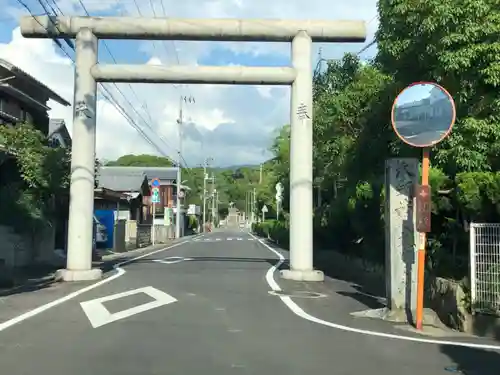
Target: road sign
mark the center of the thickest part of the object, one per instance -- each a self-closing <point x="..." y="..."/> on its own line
<point x="264" y="209"/>
<point x="423" y="208"/>
<point x="155" y="195"/>
<point x="155" y="182"/>
<point x="279" y="188"/>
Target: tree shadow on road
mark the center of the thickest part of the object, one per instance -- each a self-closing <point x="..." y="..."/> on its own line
<point x="472" y="361"/>
<point x="370" y="301"/>
<point x="215" y="259"/>
<point x="29" y="279"/>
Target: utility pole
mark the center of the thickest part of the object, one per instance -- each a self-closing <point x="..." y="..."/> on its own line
<point x="260" y="175"/>
<point x="204" y="193"/>
<point x="178" y="204"/>
<point x="205" y="178"/>
<point x="217" y="205"/>
<point x="247" y="211"/>
<point x="214" y="191"/>
<point x="254" y="205"/>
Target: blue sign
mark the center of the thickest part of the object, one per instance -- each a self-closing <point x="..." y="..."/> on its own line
<point x="107" y="219"/>
<point x="155" y="182"/>
<point x="155" y="195"/>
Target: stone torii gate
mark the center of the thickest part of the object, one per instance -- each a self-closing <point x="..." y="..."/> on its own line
<point x="87" y="31"/>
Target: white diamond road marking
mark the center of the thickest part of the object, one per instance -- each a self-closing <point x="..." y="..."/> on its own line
<point x="98" y="315"/>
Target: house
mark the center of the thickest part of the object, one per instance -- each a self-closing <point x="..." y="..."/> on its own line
<point x="168" y="183"/>
<point x="134" y="187"/>
<point x="164" y="211"/>
<point x="436" y="108"/>
<point x="58" y="133"/>
<point x="23" y="99"/>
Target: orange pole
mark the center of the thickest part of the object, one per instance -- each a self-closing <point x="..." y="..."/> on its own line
<point x="421" y="250"/>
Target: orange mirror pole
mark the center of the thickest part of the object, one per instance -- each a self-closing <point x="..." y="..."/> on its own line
<point x="421" y="250"/>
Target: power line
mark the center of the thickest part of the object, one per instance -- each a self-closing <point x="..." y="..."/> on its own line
<point x="131" y="88"/>
<point x="113" y="100"/>
<point x="366" y="47"/>
<point x="173" y="41"/>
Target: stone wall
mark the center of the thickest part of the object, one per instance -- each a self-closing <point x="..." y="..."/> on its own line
<point x="143" y="235"/>
<point x="19" y="250"/>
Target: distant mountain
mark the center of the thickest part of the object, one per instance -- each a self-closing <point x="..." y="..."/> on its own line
<point x="235" y="167"/>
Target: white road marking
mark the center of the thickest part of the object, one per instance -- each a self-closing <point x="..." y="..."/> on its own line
<point x="229" y="239"/>
<point x="297" y="310"/>
<point x="217" y="239"/>
<point x="171" y="260"/>
<point x="98" y="315"/>
<point x="47" y="306"/>
<point x="240" y="239"/>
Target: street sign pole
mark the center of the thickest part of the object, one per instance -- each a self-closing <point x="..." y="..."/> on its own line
<point x="428" y="123"/>
<point x="153" y="226"/>
<point x="155" y="199"/>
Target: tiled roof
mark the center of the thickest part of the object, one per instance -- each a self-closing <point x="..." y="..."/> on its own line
<point x="121" y="179"/>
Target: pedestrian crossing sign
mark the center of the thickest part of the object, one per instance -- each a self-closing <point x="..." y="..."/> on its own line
<point x="155" y="196"/>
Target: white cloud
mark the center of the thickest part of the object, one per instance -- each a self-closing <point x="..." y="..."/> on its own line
<point x="231" y="124"/>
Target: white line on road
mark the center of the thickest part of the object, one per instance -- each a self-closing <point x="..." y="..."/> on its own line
<point x="47" y="306"/>
<point x="297" y="310"/>
<point x="99" y="315"/>
<point x="171" y="260"/>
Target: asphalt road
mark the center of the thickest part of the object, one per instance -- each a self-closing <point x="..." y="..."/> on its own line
<point x="420" y="133"/>
<point x="214" y="316"/>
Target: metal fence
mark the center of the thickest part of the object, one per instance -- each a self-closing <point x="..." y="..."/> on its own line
<point x="485" y="268"/>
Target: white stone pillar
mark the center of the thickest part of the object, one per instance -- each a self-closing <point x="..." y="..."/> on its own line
<point x="301" y="165"/>
<point x="81" y="207"/>
<point x="401" y="178"/>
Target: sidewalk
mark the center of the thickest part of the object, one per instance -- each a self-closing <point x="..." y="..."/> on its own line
<point x="41" y="289"/>
<point x="41" y="277"/>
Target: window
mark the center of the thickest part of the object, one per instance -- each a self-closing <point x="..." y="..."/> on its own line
<point x="54" y="142"/>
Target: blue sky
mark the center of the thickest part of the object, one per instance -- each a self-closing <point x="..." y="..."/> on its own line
<point x="222" y="114"/>
<point x="414" y="93"/>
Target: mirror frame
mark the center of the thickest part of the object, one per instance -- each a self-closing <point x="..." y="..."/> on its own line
<point x="454" y="114"/>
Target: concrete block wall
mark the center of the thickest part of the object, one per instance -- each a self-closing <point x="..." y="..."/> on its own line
<point x="13" y="248"/>
<point x="143" y="238"/>
<point x="19" y="250"/>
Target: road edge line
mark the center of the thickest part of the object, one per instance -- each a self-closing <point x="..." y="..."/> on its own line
<point x="297" y="310"/>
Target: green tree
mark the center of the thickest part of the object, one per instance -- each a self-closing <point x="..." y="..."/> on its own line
<point x="143" y="160"/>
<point x="31" y="198"/>
<point x="454" y="43"/>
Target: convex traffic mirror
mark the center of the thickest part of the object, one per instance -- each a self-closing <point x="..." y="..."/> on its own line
<point x="423" y="114"/>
